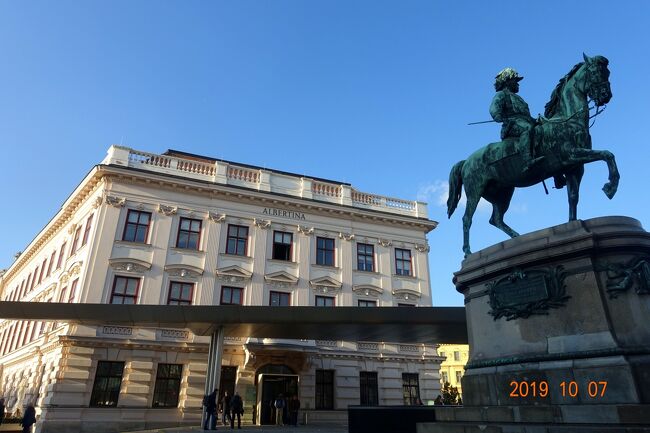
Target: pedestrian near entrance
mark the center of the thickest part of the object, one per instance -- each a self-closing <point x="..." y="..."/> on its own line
<point x="237" y="406"/>
<point x="279" y="409"/>
<point x="29" y="419"/>
<point x="225" y="407"/>
<point x="2" y="410"/>
<point x="294" y="407"/>
<point x="210" y="404"/>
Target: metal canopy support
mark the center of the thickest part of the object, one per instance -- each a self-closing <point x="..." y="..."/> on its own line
<point x="213" y="373"/>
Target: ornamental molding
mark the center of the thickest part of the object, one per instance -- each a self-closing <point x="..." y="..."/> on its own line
<point x="384" y="242"/>
<point x="346" y="236"/>
<point x="407" y="294"/>
<point x="97" y="202"/>
<point x="216" y="217"/>
<point x="117" y="330"/>
<point x="134" y="266"/>
<point x="233" y="274"/>
<point x="262" y="224"/>
<point x="325" y="285"/>
<point x="167" y="210"/>
<point x="73" y="269"/>
<point x="281" y="278"/>
<point x="307" y="231"/>
<point x="115" y="201"/>
<point x="184" y="271"/>
<point x="367" y="290"/>
<point x="423" y="248"/>
<point x="72" y="228"/>
<point x="176" y="334"/>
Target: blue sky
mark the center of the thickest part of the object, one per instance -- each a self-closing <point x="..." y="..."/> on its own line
<point x="374" y="93"/>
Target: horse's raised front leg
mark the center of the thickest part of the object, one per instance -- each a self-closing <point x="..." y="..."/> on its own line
<point x="573" y="179"/>
<point x="500" y="204"/>
<point x="585" y="156"/>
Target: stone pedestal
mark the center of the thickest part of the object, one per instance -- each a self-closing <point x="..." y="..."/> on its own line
<point x="559" y="332"/>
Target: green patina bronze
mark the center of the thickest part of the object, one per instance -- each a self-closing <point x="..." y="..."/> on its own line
<point x="532" y="150"/>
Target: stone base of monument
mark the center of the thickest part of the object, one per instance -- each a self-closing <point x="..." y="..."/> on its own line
<point x="559" y="332"/>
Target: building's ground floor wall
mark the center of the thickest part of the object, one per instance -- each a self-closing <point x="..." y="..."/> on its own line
<point x="60" y="377"/>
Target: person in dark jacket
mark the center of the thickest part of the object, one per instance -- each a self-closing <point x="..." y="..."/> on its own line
<point x="237" y="407"/>
<point x="210" y="404"/>
<point x="29" y="419"/>
<point x="2" y="410"/>
<point x="294" y="407"/>
<point x="225" y="406"/>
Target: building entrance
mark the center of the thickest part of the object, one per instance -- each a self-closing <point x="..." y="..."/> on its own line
<point x="269" y="387"/>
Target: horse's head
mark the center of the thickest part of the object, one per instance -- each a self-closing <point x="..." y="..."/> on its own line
<point x="597" y="79"/>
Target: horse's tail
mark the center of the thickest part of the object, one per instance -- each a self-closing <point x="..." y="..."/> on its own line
<point x="455" y="185"/>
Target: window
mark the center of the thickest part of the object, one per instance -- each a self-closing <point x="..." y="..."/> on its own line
<point x="325" y="251"/>
<point x="324" y="389"/>
<point x="61" y="254"/>
<point x="443" y="354"/>
<point x="89" y="223"/>
<point x="108" y="380"/>
<point x="75" y="240"/>
<point x="456" y="355"/>
<point x="137" y="226"/>
<point x="49" y="268"/>
<point x="402" y="262"/>
<point x="180" y="293"/>
<point x="279" y="299"/>
<point x="364" y="303"/>
<point x="459" y="375"/>
<point x="42" y="274"/>
<point x="231" y="295"/>
<point x="64" y="292"/>
<point x="368" y="388"/>
<point x="282" y="246"/>
<point x="237" y="240"/>
<point x="73" y="290"/>
<point x="125" y="290"/>
<point x="168" y="385"/>
<point x="29" y="286"/>
<point x="324" y="301"/>
<point x="365" y="257"/>
<point x="410" y="388"/>
<point x="445" y="377"/>
<point x="189" y="234"/>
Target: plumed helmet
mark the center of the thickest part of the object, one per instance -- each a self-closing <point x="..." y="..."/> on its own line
<point x="506" y="75"/>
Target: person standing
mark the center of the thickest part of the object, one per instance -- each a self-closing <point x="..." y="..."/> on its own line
<point x="210" y="404"/>
<point x="294" y="407"/>
<point x="29" y="419"/>
<point x="2" y="410"/>
<point x="279" y="409"/>
<point x="225" y="406"/>
<point x="237" y="406"/>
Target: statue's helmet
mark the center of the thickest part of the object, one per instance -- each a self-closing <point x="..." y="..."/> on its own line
<point x="504" y="76"/>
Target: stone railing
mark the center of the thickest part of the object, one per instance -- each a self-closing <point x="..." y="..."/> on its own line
<point x="222" y="172"/>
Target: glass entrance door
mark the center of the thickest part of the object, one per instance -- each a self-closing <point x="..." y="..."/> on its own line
<point x="269" y="387"/>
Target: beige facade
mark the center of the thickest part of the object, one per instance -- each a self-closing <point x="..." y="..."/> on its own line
<point x="453" y="367"/>
<point x="158" y="229"/>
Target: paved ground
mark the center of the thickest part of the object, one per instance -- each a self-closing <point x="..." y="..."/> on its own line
<point x="259" y="429"/>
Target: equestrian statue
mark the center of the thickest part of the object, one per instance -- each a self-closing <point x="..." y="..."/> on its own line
<point x="555" y="145"/>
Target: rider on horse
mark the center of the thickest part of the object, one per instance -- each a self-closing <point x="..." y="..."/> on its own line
<point x="510" y="109"/>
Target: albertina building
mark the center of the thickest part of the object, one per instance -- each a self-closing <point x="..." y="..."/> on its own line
<point x="183" y="229"/>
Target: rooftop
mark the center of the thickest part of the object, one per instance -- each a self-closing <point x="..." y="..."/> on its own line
<point x="218" y="171"/>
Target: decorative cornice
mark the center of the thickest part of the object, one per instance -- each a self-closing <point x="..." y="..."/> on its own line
<point x="384" y="242"/>
<point x="233" y="274"/>
<point x="184" y="271"/>
<point x="325" y="285"/>
<point x="129" y="265"/>
<point x="346" y="236"/>
<point x="262" y="224"/>
<point x="216" y="217"/>
<point x="115" y="201"/>
<point x="367" y="290"/>
<point x="406" y="294"/>
<point x="281" y="278"/>
<point x="307" y="231"/>
<point x="167" y="210"/>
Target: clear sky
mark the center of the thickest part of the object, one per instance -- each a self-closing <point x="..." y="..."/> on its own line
<point x="375" y="93"/>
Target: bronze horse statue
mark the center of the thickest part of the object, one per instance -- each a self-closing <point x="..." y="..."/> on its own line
<point x="494" y="171"/>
